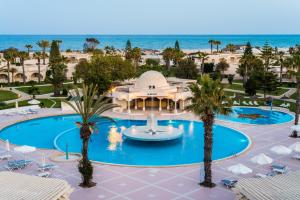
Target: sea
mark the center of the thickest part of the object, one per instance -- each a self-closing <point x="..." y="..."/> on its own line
<point x="75" y="42"/>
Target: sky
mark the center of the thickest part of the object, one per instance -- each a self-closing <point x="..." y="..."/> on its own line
<point x="149" y="17"/>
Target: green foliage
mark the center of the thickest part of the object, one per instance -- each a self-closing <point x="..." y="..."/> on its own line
<point x="104" y="70"/>
<point x="56" y="75"/>
<point x="251" y="86"/>
<point x="90" y="44"/>
<point x="208" y="68"/>
<point x="33" y="91"/>
<point x="6" y="95"/>
<point x="128" y="55"/>
<point x="186" y="69"/>
<point x="230" y="78"/>
<point x="222" y="65"/>
<point x="152" y="61"/>
<point x="177" y="46"/>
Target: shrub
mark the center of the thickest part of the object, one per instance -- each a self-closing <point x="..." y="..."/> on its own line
<point x="230" y="78"/>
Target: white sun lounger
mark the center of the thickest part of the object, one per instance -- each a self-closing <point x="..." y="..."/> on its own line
<point x="245" y="103"/>
<point x="44" y="174"/>
<point x="5" y="157"/>
<point x="236" y="103"/>
<point x="255" y="103"/>
<point x="297" y="157"/>
<point x="250" y="103"/>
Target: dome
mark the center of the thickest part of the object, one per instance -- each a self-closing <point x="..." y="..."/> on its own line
<point x="151" y="78"/>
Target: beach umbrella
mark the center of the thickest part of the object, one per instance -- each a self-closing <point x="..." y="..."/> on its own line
<point x="25" y="149"/>
<point x="281" y="150"/>
<point x="239" y="169"/>
<point x="295" y="147"/>
<point x="7" y="146"/>
<point x="262" y="159"/>
<point x="43" y="160"/>
<point x="295" y="128"/>
<point x="34" y="102"/>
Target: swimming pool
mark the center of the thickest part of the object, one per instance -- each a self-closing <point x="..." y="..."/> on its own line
<point x="265" y="117"/>
<point x="43" y="132"/>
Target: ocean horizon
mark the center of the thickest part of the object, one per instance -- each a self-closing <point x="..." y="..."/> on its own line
<point x="75" y="42"/>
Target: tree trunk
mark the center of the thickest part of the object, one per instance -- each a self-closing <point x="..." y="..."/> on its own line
<point x="44" y="55"/>
<point x="280" y="75"/>
<point x="23" y="71"/>
<point x="295" y="134"/>
<point x="39" y="70"/>
<point x="211" y="48"/>
<point x="208" y="121"/>
<point x="8" y="71"/>
<point x="85" y="167"/>
<point x="168" y="65"/>
<point x="245" y="75"/>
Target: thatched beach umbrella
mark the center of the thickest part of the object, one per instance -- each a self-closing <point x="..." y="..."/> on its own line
<point x="239" y="169"/>
<point x="262" y="159"/>
<point x="281" y="150"/>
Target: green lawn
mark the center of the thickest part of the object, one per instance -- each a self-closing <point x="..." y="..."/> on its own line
<point x="46" y="102"/>
<point x="7" y="95"/>
<point x="277" y="92"/>
<point x="43" y="89"/>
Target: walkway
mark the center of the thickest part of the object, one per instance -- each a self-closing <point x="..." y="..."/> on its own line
<point x="140" y="183"/>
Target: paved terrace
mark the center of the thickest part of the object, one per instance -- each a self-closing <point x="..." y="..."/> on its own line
<point x="117" y="182"/>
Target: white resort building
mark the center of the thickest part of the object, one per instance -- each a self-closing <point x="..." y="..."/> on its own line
<point x="152" y="91"/>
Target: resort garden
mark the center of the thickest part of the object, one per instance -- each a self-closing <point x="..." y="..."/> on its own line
<point x="112" y="96"/>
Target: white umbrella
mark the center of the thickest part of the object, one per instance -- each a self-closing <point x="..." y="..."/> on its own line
<point x="239" y="169"/>
<point x="34" y="102"/>
<point x="16" y="104"/>
<point x="43" y="160"/>
<point x="7" y="147"/>
<point x="295" y="128"/>
<point x="295" y="147"/>
<point x="262" y="159"/>
<point x="25" y="149"/>
<point x="281" y="150"/>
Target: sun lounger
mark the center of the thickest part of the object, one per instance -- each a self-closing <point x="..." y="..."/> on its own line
<point x="5" y="157"/>
<point x="255" y="103"/>
<point x="44" y="174"/>
<point x="297" y="157"/>
<point x="46" y="167"/>
<point x="270" y="174"/>
<point x="236" y="103"/>
<point x="288" y="105"/>
<point x="250" y="103"/>
<point x="281" y="169"/>
<point x="17" y="164"/>
<point x="245" y="103"/>
<point x="229" y="183"/>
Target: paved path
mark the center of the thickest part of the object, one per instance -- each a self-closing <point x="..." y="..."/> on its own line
<point x="169" y="183"/>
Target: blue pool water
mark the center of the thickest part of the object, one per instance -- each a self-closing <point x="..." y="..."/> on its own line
<point x="266" y="116"/>
<point x="187" y="150"/>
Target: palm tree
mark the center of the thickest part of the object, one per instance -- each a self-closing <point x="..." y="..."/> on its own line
<point x="28" y="47"/>
<point x="23" y="55"/>
<point x="43" y="44"/>
<point x="230" y="47"/>
<point x="90" y="107"/>
<point x="207" y="101"/>
<point x="168" y="55"/>
<point x="203" y="56"/>
<point x="38" y="56"/>
<point x="13" y="71"/>
<point x="217" y="43"/>
<point x="281" y="61"/>
<point x="211" y="42"/>
<point x="136" y="56"/>
<point x="9" y="55"/>
<point x="293" y="64"/>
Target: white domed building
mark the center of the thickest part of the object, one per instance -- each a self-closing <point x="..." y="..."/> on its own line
<point x="152" y="91"/>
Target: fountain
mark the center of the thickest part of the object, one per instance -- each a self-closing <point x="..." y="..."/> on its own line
<point x="152" y="131"/>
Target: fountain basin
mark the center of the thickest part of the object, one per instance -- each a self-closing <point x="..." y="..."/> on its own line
<point x="160" y="133"/>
